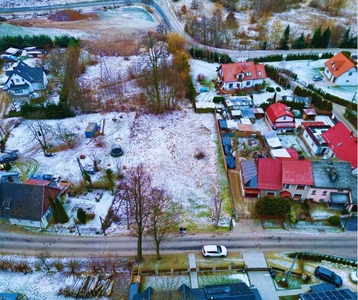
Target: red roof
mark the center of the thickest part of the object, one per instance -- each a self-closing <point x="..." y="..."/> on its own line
<point x="343" y="143"/>
<point x="230" y="71"/>
<point x="339" y="64"/>
<point x="297" y="172"/>
<point x="269" y="174"/>
<point x="312" y="123"/>
<point x="37" y="182"/>
<point x="277" y="110"/>
<point x="310" y="111"/>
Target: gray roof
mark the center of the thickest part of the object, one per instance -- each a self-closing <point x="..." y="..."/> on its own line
<point x="26" y="202"/>
<point x="31" y="74"/>
<point x="249" y="172"/>
<point x="332" y="174"/>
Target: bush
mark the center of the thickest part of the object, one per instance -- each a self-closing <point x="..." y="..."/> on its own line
<point x="314" y="4"/>
<point x="273" y="206"/>
<point x="270" y="89"/>
<point x="278" y="89"/>
<point x="335" y="220"/>
<point x="218" y="99"/>
<point x="81" y="215"/>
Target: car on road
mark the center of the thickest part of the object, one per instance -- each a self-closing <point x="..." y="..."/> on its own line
<point x="214" y="251"/>
<point x="328" y="276"/>
<point x="317" y="78"/>
<point x="354" y="276"/>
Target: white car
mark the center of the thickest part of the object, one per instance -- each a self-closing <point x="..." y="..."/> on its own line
<point x="214" y="251"/>
<point x="353" y="276"/>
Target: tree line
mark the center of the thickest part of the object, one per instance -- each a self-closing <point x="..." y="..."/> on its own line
<point x="40" y="41"/>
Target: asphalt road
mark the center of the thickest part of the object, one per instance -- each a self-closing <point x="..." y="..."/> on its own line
<point x="342" y="244"/>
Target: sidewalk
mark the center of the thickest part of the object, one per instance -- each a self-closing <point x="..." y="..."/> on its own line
<point x="260" y="279"/>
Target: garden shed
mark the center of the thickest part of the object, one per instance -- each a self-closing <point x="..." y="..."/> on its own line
<point x="91" y="129"/>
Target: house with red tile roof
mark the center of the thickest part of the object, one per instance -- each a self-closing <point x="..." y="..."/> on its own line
<point x="240" y="75"/>
<point x="279" y="117"/>
<point x="286" y="178"/>
<point x="341" y="70"/>
<point x="342" y="143"/>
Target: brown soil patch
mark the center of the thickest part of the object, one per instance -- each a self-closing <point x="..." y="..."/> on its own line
<point x="113" y="37"/>
<point x="70" y="15"/>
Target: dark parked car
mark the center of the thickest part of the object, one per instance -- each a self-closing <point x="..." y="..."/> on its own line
<point x="7" y="157"/>
<point x="316" y="78"/>
<point x="328" y="276"/>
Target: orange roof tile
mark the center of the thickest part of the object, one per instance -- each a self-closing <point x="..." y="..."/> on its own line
<point x="339" y="64"/>
<point x="250" y="70"/>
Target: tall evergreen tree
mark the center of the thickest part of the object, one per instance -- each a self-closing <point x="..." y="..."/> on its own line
<point x="349" y="41"/>
<point x="54" y="209"/>
<point x="316" y="40"/>
<point x="300" y="42"/>
<point x="326" y="38"/>
<point x="61" y="213"/>
<point x="285" y="39"/>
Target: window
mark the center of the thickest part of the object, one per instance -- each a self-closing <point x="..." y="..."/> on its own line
<point x="350" y="73"/>
<point x="324" y="193"/>
<point x="321" y="200"/>
<point x="310" y="199"/>
<point x="306" y="135"/>
<point x="297" y="196"/>
<point x="284" y="117"/>
<point x="240" y="76"/>
<point x="260" y="73"/>
<point x="248" y="74"/>
<point x="17" y="80"/>
<point x="286" y="186"/>
<point x="238" y="85"/>
<point x="312" y="144"/>
<point x="314" y="192"/>
<point x="230" y="85"/>
<point x="270" y="194"/>
<point x="248" y="82"/>
<point x="300" y="187"/>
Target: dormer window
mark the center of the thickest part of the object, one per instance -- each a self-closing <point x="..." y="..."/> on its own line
<point x="240" y="76"/>
<point x="260" y="74"/>
<point x="248" y="74"/>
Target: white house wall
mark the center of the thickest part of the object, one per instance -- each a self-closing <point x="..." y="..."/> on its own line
<point x="344" y="79"/>
<point x="284" y="119"/>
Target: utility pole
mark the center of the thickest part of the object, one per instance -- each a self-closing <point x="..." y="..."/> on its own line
<point x="309" y="59"/>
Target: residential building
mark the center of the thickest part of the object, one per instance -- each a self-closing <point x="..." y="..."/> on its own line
<point x="23" y="80"/>
<point x="312" y="136"/>
<point x="234" y="291"/>
<point x="279" y="117"/>
<point x="240" y="75"/>
<point x="327" y="291"/>
<point x="341" y="70"/>
<point x="333" y="183"/>
<point x="26" y="205"/>
<point x="342" y="144"/>
<point x="290" y="178"/>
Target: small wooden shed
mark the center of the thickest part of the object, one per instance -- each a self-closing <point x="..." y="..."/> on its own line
<point x="91" y="129"/>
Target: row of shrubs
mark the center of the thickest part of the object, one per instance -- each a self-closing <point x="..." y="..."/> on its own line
<point x="299" y="56"/>
<point x="72" y="266"/>
<point x="318" y="257"/>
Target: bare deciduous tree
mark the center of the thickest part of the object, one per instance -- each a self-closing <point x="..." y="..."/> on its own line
<point x="137" y="191"/>
<point x="40" y="132"/>
<point x="66" y="136"/>
<point x="163" y="218"/>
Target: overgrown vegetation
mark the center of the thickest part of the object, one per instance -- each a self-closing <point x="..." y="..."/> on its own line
<point x="278" y="206"/>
